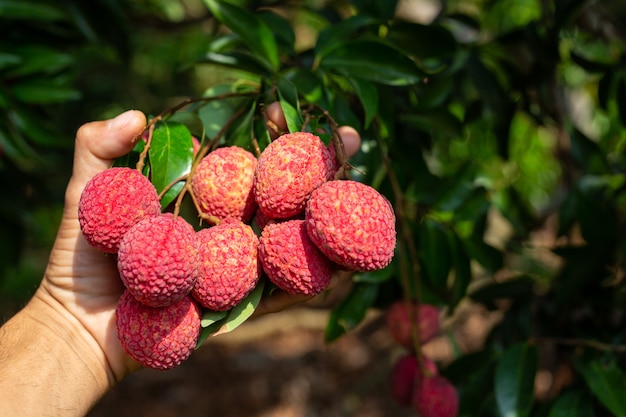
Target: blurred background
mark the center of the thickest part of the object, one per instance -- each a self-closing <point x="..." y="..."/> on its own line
<point x="502" y="152"/>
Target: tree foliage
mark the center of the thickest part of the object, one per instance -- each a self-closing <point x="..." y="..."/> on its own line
<point x="496" y="129"/>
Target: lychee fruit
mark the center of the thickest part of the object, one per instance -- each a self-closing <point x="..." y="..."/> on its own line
<point x="288" y="169"/>
<point x="158" y="337"/>
<point x="112" y="202"/>
<point x="405" y="318"/>
<point x="435" y="396"/>
<point x="157" y="260"/>
<point x="352" y="224"/>
<point x="223" y="184"/>
<point x="406" y="373"/>
<point x="228" y="265"/>
<point x="291" y="260"/>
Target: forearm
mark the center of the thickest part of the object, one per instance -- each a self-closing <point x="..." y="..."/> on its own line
<point x="48" y="365"/>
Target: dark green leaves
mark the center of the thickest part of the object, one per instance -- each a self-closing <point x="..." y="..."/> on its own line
<point x="351" y="311"/>
<point x="371" y="60"/>
<point x="606" y="380"/>
<point x="515" y="379"/>
<point x="171" y="153"/>
<point x="254" y="32"/>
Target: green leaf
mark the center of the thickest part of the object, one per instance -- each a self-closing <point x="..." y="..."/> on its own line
<point x="462" y="269"/>
<point x="239" y="60"/>
<point x="423" y="41"/>
<point x="572" y="404"/>
<point x="9" y="60"/>
<point x="371" y="60"/>
<point x="435" y="252"/>
<point x="439" y="121"/>
<point x="308" y="85"/>
<point x="515" y="380"/>
<point x="288" y="96"/>
<point x="30" y="124"/>
<point x="330" y="36"/>
<point x="253" y="31"/>
<point x="606" y="381"/>
<point x="171" y="155"/>
<point x="282" y="29"/>
<point x="383" y="9"/>
<point x="30" y="10"/>
<point x="368" y="95"/>
<point x="39" y="59"/>
<point x="375" y="277"/>
<point x="43" y="91"/>
<point x="351" y="310"/>
<point x="242" y="311"/>
<point x="211" y="322"/>
<point x="513" y="289"/>
<point x="215" y="113"/>
<point x="242" y="132"/>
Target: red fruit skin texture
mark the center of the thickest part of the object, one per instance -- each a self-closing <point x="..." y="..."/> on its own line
<point x="406" y="373"/>
<point x="403" y="318"/>
<point x="111" y="203"/>
<point x="352" y="224"/>
<point x="288" y="169"/>
<point x="157" y="260"/>
<point x="229" y="267"/>
<point x="436" y="397"/>
<point x="291" y="260"/>
<point x="158" y="337"/>
<point x="223" y="183"/>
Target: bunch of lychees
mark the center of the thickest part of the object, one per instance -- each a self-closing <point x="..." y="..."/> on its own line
<point x="414" y="379"/>
<point x="309" y="224"/>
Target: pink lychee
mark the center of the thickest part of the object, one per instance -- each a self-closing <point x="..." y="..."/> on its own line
<point x="288" y="169"/>
<point x="158" y="337"/>
<point x="112" y="202"/>
<point x="229" y="267"/>
<point x="406" y="373"/>
<point x="291" y="260"/>
<point x="435" y="396"/>
<point x="403" y="319"/>
<point x="223" y="183"/>
<point x="157" y="260"/>
<point x="353" y="224"/>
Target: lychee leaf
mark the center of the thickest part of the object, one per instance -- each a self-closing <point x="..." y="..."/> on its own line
<point x="253" y="31"/>
<point x="606" y="381"/>
<point x="171" y="155"/>
<point x="372" y="60"/>
<point x="242" y="132"/>
<point x="242" y="311"/>
<point x="350" y="311"/>
<point x="288" y="95"/>
<point x="514" y="380"/>
<point x="211" y="322"/>
<point x="368" y="95"/>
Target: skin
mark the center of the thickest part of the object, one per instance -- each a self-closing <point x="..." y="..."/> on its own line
<point x="60" y="354"/>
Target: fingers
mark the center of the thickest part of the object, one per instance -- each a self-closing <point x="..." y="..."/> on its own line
<point x="99" y="143"/>
<point x="277" y="125"/>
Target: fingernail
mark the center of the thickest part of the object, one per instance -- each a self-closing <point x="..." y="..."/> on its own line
<point x="121" y="120"/>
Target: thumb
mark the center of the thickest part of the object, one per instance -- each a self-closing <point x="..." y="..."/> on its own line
<point x="99" y="143"/>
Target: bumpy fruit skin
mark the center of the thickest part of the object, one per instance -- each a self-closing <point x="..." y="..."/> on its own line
<point x="229" y="266"/>
<point x="112" y="202"/>
<point x="288" y="169"/>
<point x="160" y="338"/>
<point x="436" y="397"/>
<point x="352" y="224"/>
<point x="291" y="260"/>
<point x="223" y="184"/>
<point x="406" y="373"/>
<point x="157" y="260"/>
<point x="403" y="319"/>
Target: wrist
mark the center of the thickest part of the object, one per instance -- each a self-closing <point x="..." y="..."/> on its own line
<point x="46" y="353"/>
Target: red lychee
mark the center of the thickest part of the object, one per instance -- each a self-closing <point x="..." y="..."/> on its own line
<point x="158" y="337"/>
<point x="157" y="260"/>
<point x="288" y="169"/>
<point x="403" y="319"/>
<point x="435" y="396"/>
<point x="352" y="224"/>
<point x="229" y="267"/>
<point x="291" y="260"/>
<point x="406" y="373"/>
<point x="112" y="202"/>
<point x="223" y="184"/>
